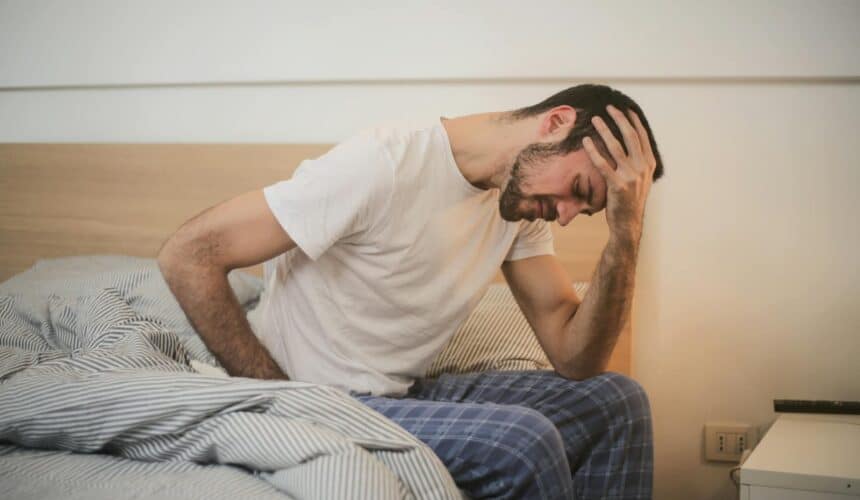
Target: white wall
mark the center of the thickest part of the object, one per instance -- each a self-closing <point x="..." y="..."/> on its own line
<point x="748" y="279"/>
<point x="156" y="41"/>
<point x="315" y="71"/>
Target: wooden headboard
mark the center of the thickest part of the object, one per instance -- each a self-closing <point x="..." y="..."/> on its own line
<point x="77" y="199"/>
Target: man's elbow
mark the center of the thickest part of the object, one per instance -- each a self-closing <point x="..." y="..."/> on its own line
<point x="179" y="258"/>
<point x="166" y="256"/>
<point x="171" y="256"/>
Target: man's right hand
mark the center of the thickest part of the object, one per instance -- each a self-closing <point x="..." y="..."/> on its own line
<point x="630" y="182"/>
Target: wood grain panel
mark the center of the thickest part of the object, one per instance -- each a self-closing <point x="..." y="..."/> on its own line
<point x="74" y="199"/>
<point x="80" y="199"/>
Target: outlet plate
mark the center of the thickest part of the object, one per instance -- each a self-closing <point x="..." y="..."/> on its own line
<point x="726" y="441"/>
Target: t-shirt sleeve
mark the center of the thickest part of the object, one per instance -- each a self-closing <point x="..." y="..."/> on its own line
<point x="340" y="195"/>
<point x="534" y="238"/>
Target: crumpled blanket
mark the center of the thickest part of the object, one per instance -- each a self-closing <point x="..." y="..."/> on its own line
<point x="95" y="358"/>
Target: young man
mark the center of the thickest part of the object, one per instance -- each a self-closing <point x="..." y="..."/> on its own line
<point x="385" y="244"/>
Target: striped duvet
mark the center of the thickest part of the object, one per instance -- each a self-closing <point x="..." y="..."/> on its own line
<point x="98" y="400"/>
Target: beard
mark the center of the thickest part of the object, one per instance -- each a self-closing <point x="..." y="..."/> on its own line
<point x="525" y="165"/>
<point x="509" y="201"/>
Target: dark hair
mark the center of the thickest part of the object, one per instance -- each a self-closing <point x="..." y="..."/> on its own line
<point x="590" y="100"/>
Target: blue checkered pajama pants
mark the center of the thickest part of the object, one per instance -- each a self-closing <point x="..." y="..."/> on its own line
<point x="532" y="434"/>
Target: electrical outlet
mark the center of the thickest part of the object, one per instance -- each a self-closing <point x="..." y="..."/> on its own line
<point x="726" y="441"/>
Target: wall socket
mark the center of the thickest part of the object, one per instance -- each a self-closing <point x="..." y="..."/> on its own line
<point x="726" y="441"/>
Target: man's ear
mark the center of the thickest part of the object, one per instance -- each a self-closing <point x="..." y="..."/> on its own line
<point x="557" y="122"/>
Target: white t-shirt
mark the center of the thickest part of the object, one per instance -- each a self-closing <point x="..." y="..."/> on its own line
<point x="395" y="248"/>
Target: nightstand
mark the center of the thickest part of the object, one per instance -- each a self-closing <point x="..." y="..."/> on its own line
<point x="805" y="457"/>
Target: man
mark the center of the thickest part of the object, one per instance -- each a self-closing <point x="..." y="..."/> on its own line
<point x="385" y="243"/>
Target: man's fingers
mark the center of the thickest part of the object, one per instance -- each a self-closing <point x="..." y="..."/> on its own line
<point x="631" y="136"/>
<point x="600" y="162"/>
<point x="611" y="142"/>
<point x="643" y="139"/>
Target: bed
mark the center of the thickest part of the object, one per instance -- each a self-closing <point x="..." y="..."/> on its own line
<point x="106" y="389"/>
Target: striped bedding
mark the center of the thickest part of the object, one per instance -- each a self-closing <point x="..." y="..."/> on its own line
<point x="98" y="399"/>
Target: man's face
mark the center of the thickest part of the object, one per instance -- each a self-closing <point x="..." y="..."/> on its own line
<point x="552" y="187"/>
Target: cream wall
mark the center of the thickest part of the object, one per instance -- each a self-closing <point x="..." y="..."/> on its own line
<point x="748" y="279"/>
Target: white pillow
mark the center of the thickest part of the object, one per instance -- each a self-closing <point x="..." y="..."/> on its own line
<point x="496" y="336"/>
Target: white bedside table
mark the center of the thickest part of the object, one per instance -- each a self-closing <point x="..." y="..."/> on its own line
<point x="805" y="457"/>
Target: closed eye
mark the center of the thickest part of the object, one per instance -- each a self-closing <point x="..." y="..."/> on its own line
<point x="575" y="192"/>
<point x="589" y="197"/>
<point x="574" y="189"/>
<point x="590" y="194"/>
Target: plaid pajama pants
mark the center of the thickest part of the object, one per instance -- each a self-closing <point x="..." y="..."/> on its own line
<point x="532" y="434"/>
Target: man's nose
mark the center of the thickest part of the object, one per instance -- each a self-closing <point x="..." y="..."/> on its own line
<point x="566" y="212"/>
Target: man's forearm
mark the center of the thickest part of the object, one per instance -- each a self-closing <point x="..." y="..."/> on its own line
<point x="214" y="311"/>
<point x="593" y="331"/>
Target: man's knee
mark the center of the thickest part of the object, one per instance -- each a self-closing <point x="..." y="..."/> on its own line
<point x="621" y="397"/>
<point x="533" y="434"/>
<point x="533" y="446"/>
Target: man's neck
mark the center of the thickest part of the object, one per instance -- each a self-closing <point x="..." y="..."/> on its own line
<point x="485" y="145"/>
